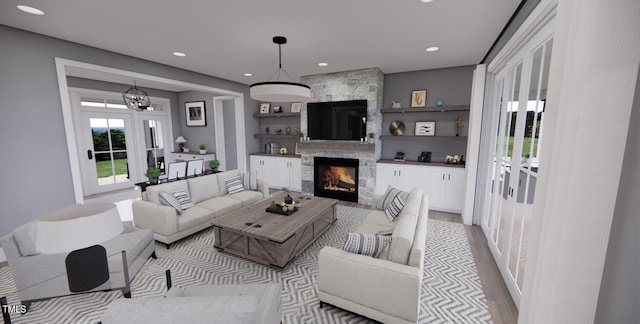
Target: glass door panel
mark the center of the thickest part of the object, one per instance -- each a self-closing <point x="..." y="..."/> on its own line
<point x="153" y="134"/>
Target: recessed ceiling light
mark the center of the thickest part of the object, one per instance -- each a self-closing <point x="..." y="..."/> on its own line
<point x="179" y="54"/>
<point x="323" y="64"/>
<point x="432" y="49"/>
<point x="31" y="10"/>
<point x="426" y="1"/>
<point x="248" y="74"/>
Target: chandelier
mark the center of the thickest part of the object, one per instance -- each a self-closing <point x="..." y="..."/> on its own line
<point x="136" y="99"/>
<point x="279" y="91"/>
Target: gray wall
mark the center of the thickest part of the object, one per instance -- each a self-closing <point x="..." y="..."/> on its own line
<point x="452" y="86"/>
<point x="196" y="135"/>
<point x="35" y="171"/>
<point x="620" y="288"/>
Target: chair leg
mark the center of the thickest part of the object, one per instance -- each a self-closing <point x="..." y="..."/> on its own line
<point x="168" y="275"/>
<point x="321" y="304"/>
<point x="153" y="255"/>
<point x="126" y="291"/>
<point x="5" y="313"/>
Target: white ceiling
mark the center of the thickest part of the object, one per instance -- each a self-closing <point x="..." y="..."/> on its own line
<point x="226" y="38"/>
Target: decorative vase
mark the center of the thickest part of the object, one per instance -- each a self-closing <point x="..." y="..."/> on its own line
<point x="153" y="181"/>
<point x="203" y="151"/>
<point x="288" y="200"/>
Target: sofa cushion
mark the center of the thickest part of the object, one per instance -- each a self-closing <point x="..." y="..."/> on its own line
<point x="194" y="216"/>
<point x="366" y="244"/>
<point x="234" y="185"/>
<point x="152" y="191"/>
<point x="25" y="237"/>
<point x="183" y="198"/>
<point x="222" y="177"/>
<point x="402" y="237"/>
<point x="133" y="243"/>
<point x="247" y="197"/>
<point x="203" y="188"/>
<point x="250" y="180"/>
<point x="167" y="199"/>
<point x="221" y="205"/>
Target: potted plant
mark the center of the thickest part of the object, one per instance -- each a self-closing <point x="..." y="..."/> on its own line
<point x="153" y="174"/>
<point x="203" y="149"/>
<point x="214" y="164"/>
<point x="301" y="134"/>
<point x="371" y="135"/>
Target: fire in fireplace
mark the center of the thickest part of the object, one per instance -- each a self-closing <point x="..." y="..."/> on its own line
<point x="336" y="178"/>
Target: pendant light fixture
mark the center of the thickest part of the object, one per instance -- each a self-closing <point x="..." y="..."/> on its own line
<point x="279" y="91"/>
<point x="136" y="99"/>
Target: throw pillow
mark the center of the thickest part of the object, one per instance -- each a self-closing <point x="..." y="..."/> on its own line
<point x="390" y="195"/>
<point x="394" y="209"/>
<point x="250" y="180"/>
<point x="183" y="198"/>
<point x="167" y="199"/>
<point x="25" y="237"/>
<point x="234" y="185"/>
<point x="127" y="227"/>
<point x="366" y="244"/>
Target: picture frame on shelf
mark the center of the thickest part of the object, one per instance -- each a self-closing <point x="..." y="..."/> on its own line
<point x="295" y="107"/>
<point x="264" y="108"/>
<point x="425" y="128"/>
<point x="195" y="113"/>
<point x="418" y="98"/>
<point x="277" y="109"/>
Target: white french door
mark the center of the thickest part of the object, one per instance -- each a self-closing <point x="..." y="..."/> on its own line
<point x="109" y="158"/>
<point x="518" y="101"/>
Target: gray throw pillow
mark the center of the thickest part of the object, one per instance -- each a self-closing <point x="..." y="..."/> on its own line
<point x="388" y="199"/>
<point x="250" y="180"/>
<point x="167" y="199"/>
<point x="183" y="198"/>
<point x="234" y="185"/>
<point x="25" y="237"/>
<point x="366" y="244"/>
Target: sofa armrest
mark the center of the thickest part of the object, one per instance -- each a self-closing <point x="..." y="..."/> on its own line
<point x="383" y="285"/>
<point x="263" y="187"/>
<point x="161" y="219"/>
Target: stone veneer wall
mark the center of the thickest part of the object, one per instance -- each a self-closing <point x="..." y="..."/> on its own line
<point x="349" y="85"/>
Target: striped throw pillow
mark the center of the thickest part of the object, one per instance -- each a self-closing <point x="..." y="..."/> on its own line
<point x="389" y="198"/>
<point x="250" y="180"/>
<point x="366" y="244"/>
<point x="167" y="199"/>
<point x="183" y="198"/>
<point x="234" y="185"/>
<point x="394" y="209"/>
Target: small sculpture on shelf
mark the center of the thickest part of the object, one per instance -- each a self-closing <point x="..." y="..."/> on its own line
<point x="287" y="130"/>
<point x="458" y="124"/>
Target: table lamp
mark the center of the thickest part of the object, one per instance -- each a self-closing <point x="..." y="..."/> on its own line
<point x="181" y="140"/>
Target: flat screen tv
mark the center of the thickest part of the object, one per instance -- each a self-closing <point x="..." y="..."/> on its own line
<point x="337" y="120"/>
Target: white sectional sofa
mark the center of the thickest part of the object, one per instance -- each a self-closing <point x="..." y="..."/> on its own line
<point x="210" y="197"/>
<point x="386" y="289"/>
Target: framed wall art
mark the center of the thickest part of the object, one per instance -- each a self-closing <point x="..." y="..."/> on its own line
<point x="295" y="107"/>
<point x="277" y="109"/>
<point x="418" y="98"/>
<point x="195" y="113"/>
<point x="264" y="108"/>
<point x="425" y="128"/>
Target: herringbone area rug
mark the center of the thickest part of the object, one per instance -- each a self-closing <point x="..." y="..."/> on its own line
<point x="451" y="291"/>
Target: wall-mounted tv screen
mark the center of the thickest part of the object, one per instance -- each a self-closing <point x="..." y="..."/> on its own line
<point x="337" y="120"/>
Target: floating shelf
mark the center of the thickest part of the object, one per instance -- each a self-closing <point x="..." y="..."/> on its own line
<point x="291" y="136"/>
<point x="423" y="137"/>
<point x="425" y="109"/>
<point x="271" y="115"/>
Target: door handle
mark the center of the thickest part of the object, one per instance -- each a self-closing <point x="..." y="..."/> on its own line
<point x="89" y="154"/>
<point x="443" y="177"/>
<point x="449" y="177"/>
<point x="394" y="173"/>
<point x="399" y="172"/>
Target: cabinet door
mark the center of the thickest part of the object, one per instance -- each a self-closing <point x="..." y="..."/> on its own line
<point x="255" y="164"/>
<point x="386" y="175"/>
<point x="295" y="180"/>
<point x="434" y="186"/>
<point x="409" y="177"/>
<point x="454" y="189"/>
<point x="277" y="172"/>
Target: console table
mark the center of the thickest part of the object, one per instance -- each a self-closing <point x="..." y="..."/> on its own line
<point x="143" y="185"/>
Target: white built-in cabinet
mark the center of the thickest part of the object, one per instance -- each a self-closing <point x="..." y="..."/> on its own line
<point x="444" y="185"/>
<point x="278" y="171"/>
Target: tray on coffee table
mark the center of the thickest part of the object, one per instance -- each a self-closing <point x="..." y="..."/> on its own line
<point x="278" y="210"/>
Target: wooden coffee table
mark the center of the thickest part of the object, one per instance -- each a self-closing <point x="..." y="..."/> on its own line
<point x="269" y="238"/>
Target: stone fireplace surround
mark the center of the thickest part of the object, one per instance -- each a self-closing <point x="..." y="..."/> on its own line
<point x="350" y="85"/>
